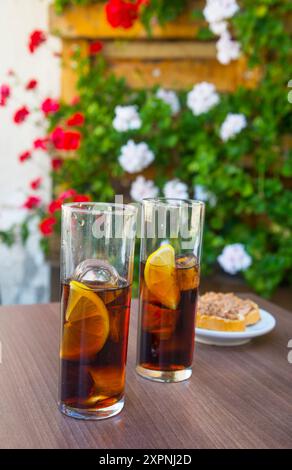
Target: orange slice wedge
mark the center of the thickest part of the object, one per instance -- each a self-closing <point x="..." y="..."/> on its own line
<point x="108" y="381"/>
<point x="87" y="323"/>
<point x="160" y="321"/>
<point x="160" y="276"/>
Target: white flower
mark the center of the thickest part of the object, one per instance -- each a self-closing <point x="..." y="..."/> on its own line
<point x="227" y="49"/>
<point x="135" y="157"/>
<point x="176" y="189"/>
<point x="169" y="97"/>
<point x="127" y="118"/>
<point x="218" y="27"/>
<point x="202" y="98"/>
<point x="233" y="124"/>
<point x="203" y="194"/>
<point x="142" y="188"/>
<point x="156" y="73"/>
<point x="218" y="10"/>
<point x="234" y="258"/>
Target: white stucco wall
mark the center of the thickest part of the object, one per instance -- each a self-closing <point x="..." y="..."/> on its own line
<point x="18" y="18"/>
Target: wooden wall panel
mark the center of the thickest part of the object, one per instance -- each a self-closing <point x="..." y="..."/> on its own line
<point x="172" y="57"/>
<point x="183" y="74"/>
<point x="90" y="22"/>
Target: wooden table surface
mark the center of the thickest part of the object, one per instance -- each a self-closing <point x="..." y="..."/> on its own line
<point x="238" y="397"/>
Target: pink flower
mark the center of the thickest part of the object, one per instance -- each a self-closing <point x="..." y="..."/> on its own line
<point x="32" y="84"/>
<point x="67" y="194"/>
<point x="21" y="115"/>
<point x="24" y="156"/>
<point x="32" y="202"/>
<point x="47" y="226"/>
<point x="95" y="47"/>
<point x="54" y="206"/>
<point x="35" y="184"/>
<point x="76" y="120"/>
<point x="41" y="143"/>
<point x="50" y="106"/>
<point x="4" y="94"/>
<point x="36" y="38"/>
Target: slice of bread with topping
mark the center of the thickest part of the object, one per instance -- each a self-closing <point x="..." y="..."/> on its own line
<point x="226" y="312"/>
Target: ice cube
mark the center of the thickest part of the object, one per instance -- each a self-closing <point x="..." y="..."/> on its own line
<point x="187" y="272"/>
<point x="97" y="273"/>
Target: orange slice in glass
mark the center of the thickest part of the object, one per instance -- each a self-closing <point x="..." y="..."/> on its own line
<point x="87" y="323"/>
<point x="160" y="276"/>
<point x="158" y="320"/>
<point x="108" y="381"/>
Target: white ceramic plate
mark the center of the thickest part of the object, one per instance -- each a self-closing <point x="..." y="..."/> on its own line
<point x="225" y="338"/>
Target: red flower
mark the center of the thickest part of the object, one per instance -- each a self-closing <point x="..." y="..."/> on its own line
<point x="121" y="13"/>
<point x="65" y="140"/>
<point x="20" y="115"/>
<point x="24" y="156"/>
<point x="4" y="94"/>
<point x="32" y="84"/>
<point x="95" y="47"/>
<point x="54" y="206"/>
<point x="50" y="106"/>
<point x="57" y="137"/>
<point x="36" y="38"/>
<point x="41" y="143"/>
<point x="76" y="100"/>
<point x="32" y="202"/>
<point x="47" y="226"/>
<point x="81" y="198"/>
<point x="56" y="163"/>
<point x="76" y="120"/>
<point x="35" y="184"/>
<point x="67" y="194"/>
<point x="72" y="140"/>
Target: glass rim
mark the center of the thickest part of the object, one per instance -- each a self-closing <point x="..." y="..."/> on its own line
<point x="101" y="208"/>
<point x="189" y="202"/>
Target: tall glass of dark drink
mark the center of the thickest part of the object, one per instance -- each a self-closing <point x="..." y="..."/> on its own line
<point x="171" y="236"/>
<point x="96" y="276"/>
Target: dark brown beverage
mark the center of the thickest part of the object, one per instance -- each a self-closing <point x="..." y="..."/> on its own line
<point x="93" y="345"/>
<point x="166" y="340"/>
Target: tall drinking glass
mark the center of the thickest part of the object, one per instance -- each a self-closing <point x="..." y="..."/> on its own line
<point x="97" y="252"/>
<point x="171" y="238"/>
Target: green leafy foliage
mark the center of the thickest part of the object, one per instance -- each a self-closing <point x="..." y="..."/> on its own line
<point x="250" y="174"/>
<point x="61" y="4"/>
<point x="162" y="10"/>
<point x="7" y="237"/>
